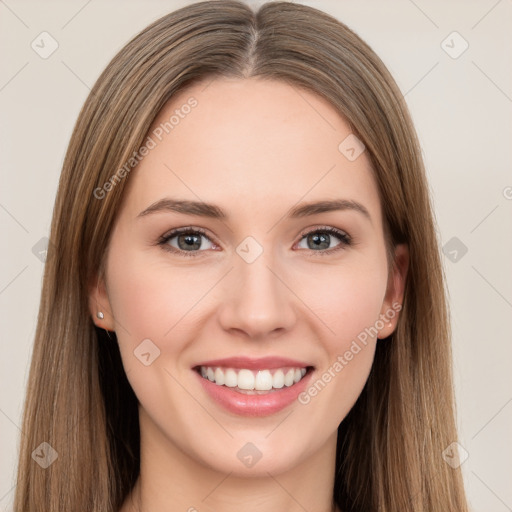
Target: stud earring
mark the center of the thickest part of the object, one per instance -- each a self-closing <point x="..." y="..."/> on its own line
<point x="100" y="315"/>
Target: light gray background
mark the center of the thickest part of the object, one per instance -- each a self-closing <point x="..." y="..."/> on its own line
<point x="462" y="110"/>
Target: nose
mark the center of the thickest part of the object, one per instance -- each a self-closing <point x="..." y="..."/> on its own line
<point x="257" y="300"/>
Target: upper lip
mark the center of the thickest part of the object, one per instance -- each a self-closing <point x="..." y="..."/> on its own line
<point x="250" y="363"/>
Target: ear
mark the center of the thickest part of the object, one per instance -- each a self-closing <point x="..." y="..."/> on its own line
<point x="99" y="303"/>
<point x="393" y="300"/>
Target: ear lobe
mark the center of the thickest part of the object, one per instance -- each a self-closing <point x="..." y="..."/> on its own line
<point x="99" y="305"/>
<point x="394" y="297"/>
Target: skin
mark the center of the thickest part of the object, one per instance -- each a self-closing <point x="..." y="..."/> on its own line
<point x="255" y="148"/>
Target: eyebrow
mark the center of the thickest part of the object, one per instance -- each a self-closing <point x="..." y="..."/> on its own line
<point x="213" y="211"/>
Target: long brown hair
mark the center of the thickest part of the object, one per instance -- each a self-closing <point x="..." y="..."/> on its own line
<point x="78" y="399"/>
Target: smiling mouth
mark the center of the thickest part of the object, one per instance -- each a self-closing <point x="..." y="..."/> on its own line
<point x="254" y="382"/>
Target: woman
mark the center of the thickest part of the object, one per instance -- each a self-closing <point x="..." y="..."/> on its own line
<point x="243" y="303"/>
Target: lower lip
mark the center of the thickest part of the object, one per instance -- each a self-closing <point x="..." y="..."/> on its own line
<point x="254" y="405"/>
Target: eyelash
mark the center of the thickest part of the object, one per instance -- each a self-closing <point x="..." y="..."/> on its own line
<point x="345" y="240"/>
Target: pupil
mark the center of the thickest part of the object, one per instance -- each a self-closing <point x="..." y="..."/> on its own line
<point x="319" y="239"/>
<point x="190" y="241"/>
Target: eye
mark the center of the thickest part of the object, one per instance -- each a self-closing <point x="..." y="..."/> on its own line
<point x="186" y="241"/>
<point x="321" y="238"/>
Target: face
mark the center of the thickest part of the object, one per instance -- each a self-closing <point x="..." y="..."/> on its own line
<point x="257" y="286"/>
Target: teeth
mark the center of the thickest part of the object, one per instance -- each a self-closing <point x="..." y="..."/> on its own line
<point x="219" y="376"/>
<point x="263" y="381"/>
<point x="278" y="380"/>
<point x="230" y="379"/>
<point x="245" y="379"/>
<point x="288" y="378"/>
<point x="259" y="380"/>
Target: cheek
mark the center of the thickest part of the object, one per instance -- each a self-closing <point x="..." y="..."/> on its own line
<point x="149" y="301"/>
<point x="147" y="285"/>
<point x="351" y="302"/>
<point x="350" y="308"/>
<point x="351" y="311"/>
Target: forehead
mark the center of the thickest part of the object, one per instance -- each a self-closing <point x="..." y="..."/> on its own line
<point x="250" y="143"/>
